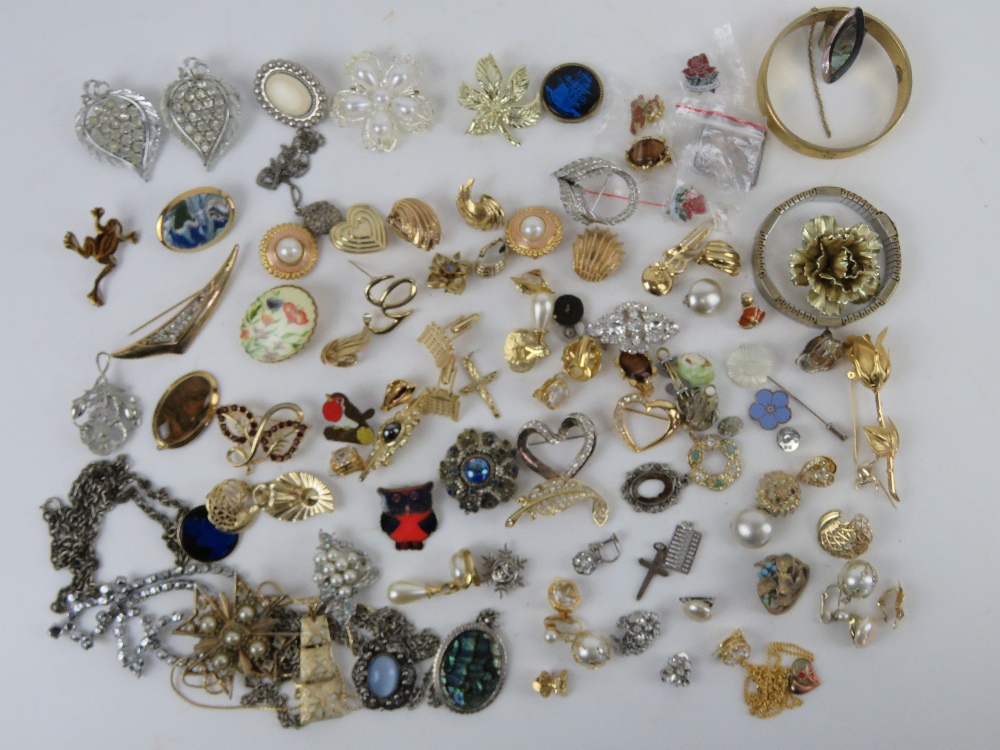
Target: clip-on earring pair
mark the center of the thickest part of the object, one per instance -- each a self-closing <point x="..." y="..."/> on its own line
<point x="589" y="649"/>
<point x="658" y="278"/>
<point x="857" y="580"/>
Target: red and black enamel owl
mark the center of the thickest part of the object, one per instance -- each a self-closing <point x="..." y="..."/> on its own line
<point x="407" y="515"/>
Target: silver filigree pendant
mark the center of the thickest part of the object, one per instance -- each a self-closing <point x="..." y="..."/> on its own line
<point x="119" y="126"/>
<point x="202" y="111"/>
<point x="105" y="414"/>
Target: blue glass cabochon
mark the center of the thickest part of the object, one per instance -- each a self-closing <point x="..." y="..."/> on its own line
<point x="572" y="92"/>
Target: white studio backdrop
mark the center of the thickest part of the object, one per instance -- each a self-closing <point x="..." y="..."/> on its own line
<point x="929" y="684"/>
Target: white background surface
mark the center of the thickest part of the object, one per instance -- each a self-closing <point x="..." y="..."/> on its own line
<point x="932" y="683"/>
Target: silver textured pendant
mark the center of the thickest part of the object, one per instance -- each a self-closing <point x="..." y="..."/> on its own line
<point x="105" y="414"/>
<point x="119" y="126"/>
<point x="202" y="111"/>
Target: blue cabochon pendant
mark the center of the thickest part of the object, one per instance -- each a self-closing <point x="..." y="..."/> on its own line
<point x="202" y="111"/>
<point x="119" y="126"/>
<point x="470" y="666"/>
<point x="196" y="219"/>
<point x="572" y="92"/>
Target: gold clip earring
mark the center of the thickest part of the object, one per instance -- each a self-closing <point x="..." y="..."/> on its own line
<point x="897" y="595"/>
<point x="463" y="575"/>
<point x="589" y="649"/>
<point x="344" y="352"/>
<point x="525" y="346"/>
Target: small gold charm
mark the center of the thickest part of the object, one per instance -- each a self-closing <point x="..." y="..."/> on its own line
<point x="582" y="359"/>
<point x="551" y="684"/>
<point x="554" y="392"/>
<point x="101" y="248"/>
<point x="845" y="539"/>
<point x="478" y="384"/>
<point x="346" y="460"/>
<point x="344" y="352"/>
<point x="485" y="214"/>
<point x="532" y="282"/>
<point x="415" y="221"/>
<point x="449" y="273"/>
<point x="397" y="393"/>
<point x="523" y="348"/>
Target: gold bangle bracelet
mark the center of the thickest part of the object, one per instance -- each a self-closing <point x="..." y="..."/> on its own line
<point x="877" y="31"/>
<point x="880" y="223"/>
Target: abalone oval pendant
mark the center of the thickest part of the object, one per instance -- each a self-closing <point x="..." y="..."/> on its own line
<point x="119" y="126"/>
<point x="470" y="666"/>
<point x="290" y="94"/>
<point x="202" y="111"/>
